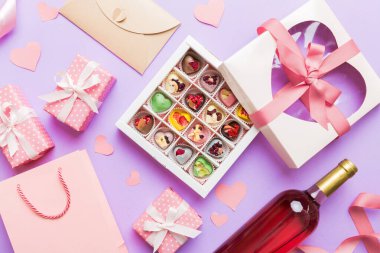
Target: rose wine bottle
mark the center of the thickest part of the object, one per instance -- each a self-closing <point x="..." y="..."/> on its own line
<point x="287" y="219"/>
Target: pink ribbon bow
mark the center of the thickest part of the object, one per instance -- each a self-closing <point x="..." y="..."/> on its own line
<point x="305" y="79"/>
<point x="363" y="225"/>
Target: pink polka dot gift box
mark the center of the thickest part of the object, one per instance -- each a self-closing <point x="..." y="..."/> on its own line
<point x="168" y="223"/>
<point x="23" y="138"/>
<point x="79" y="93"/>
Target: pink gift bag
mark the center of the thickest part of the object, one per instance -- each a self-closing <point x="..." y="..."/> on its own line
<point x="59" y="207"/>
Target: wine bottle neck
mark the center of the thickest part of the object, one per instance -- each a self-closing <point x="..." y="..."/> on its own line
<point x="332" y="181"/>
<point x="316" y="194"/>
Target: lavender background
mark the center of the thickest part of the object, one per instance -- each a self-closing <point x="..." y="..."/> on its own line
<point x="259" y="166"/>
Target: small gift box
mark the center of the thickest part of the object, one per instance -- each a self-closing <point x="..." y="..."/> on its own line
<point x="168" y="222"/>
<point x="22" y="136"/>
<point x="303" y="82"/>
<point x="79" y="93"/>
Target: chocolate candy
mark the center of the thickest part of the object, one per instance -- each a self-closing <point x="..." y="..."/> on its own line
<point x="231" y="130"/>
<point x="202" y="168"/>
<point x="182" y="154"/>
<point x="198" y="134"/>
<point x="179" y="119"/>
<point x="210" y="80"/>
<point x="163" y="139"/>
<point x="174" y="84"/>
<point x="227" y="97"/>
<point x="195" y="101"/>
<point x="190" y="65"/>
<point x="216" y="148"/>
<point x="144" y="123"/>
<point x="242" y="113"/>
<point x="213" y="115"/>
<point x="160" y="103"/>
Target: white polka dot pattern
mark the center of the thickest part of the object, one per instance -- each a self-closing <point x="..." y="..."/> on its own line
<point x="168" y="199"/>
<point x="81" y="114"/>
<point x="32" y="129"/>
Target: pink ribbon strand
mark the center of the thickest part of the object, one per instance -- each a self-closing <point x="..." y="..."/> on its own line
<point x="366" y="233"/>
<point x="305" y="80"/>
<point x="7" y="17"/>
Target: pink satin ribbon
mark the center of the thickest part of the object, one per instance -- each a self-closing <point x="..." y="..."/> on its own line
<point x="305" y="79"/>
<point x="7" y="17"/>
<point x="366" y="233"/>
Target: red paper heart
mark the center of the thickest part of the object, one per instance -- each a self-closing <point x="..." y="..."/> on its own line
<point x="102" y="146"/>
<point x="219" y="219"/>
<point x="26" y="57"/>
<point x="231" y="195"/>
<point x="210" y="13"/>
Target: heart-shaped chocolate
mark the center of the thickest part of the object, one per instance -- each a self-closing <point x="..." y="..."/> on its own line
<point x="198" y="134"/>
<point x="210" y="80"/>
<point x="202" y="168"/>
<point x="182" y="154"/>
<point x="231" y="130"/>
<point x="160" y="103"/>
<point x="242" y="113"/>
<point x="174" y="84"/>
<point x="144" y="123"/>
<point x="216" y="148"/>
<point x="179" y="119"/>
<point x="213" y="115"/>
<point x="195" y="101"/>
<point x="227" y="97"/>
<point x="190" y="65"/>
<point x="163" y="138"/>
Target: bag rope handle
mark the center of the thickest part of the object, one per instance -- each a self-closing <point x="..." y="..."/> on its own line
<point x="41" y="214"/>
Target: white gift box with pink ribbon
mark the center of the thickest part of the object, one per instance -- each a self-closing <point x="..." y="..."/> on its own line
<point x="314" y="79"/>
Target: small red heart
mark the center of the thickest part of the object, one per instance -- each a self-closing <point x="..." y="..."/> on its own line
<point x="102" y="146"/>
<point x="26" y="57"/>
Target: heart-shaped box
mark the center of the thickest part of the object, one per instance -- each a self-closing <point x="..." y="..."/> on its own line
<point x="249" y="73"/>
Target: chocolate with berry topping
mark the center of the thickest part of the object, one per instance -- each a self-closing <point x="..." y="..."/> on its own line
<point x="231" y="130"/>
<point x="195" y="101"/>
<point x="211" y="80"/>
<point x="216" y="148"/>
<point x="144" y="123"/>
<point x="190" y="65"/>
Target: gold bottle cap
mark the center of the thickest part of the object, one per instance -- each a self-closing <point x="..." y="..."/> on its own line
<point x="338" y="176"/>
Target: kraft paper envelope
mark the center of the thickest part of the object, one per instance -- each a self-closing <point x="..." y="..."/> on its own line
<point x="88" y="225"/>
<point x="134" y="30"/>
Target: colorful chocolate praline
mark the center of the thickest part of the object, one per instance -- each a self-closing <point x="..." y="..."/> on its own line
<point x="179" y="119"/>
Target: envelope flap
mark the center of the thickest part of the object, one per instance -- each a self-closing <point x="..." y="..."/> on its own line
<point x="141" y="16"/>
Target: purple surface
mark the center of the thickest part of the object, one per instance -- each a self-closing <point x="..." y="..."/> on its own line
<point x="259" y="167"/>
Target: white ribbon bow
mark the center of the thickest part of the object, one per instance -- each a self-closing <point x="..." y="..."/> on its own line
<point x="72" y="91"/>
<point x="9" y="135"/>
<point x="160" y="226"/>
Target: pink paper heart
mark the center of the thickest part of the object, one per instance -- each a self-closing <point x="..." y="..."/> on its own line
<point x="26" y="57"/>
<point x="134" y="178"/>
<point x="210" y="13"/>
<point x="219" y="219"/>
<point x="231" y="195"/>
<point x="47" y="12"/>
<point x="102" y="146"/>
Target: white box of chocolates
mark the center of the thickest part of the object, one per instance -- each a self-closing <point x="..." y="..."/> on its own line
<point x="189" y="120"/>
